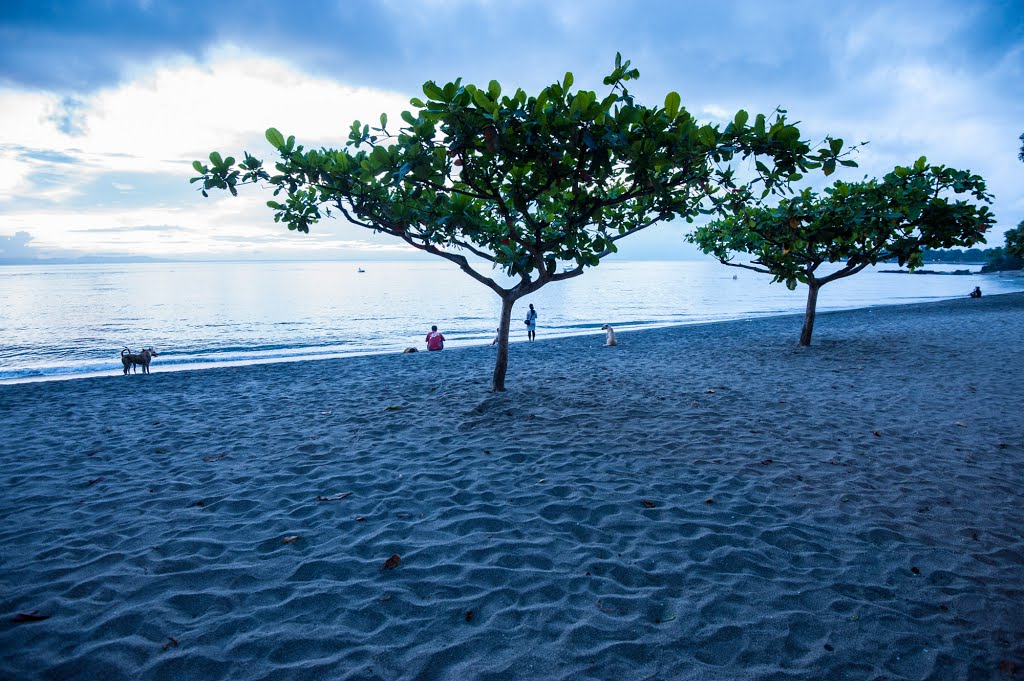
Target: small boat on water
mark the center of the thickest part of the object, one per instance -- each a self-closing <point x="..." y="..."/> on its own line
<point x="360" y="270"/>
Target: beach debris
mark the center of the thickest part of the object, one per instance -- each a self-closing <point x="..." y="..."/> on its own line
<point x="30" y="616"/>
<point x="386" y="597"/>
<point x="962" y="424"/>
<point x="767" y="462"/>
<point x="469" y="615"/>
<point x="916" y="570"/>
<point x="171" y="643"/>
<point x="327" y="412"/>
<point x="648" y="504"/>
<point x="828" y="647"/>
<point x="876" y="433"/>
<point x="488" y="452"/>
<point x="96" y="480"/>
<point x="392" y="562"/>
<point x="662" y="620"/>
<point x="360" y="519"/>
<point x="608" y="609"/>
<point x="403" y="515"/>
<point x="709" y="391"/>
<point x="197" y="504"/>
<point x="215" y="457"/>
<point x="709" y="500"/>
<point x="393" y="407"/>
<point x="290" y="539"/>
<point x="156" y="423"/>
<point x="336" y="497"/>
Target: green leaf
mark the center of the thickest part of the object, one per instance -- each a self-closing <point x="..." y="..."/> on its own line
<point x="417" y="102"/>
<point x="835" y="145"/>
<point x="707" y="136"/>
<point x="920" y="163"/>
<point x="275" y="138"/>
<point x="481" y="99"/>
<point x="432" y="91"/>
<point x="567" y="81"/>
<point x="215" y="158"/>
<point x="494" y="89"/>
<point x="198" y="166"/>
<point x="380" y="156"/>
<point x="383" y="120"/>
<point x="741" y="119"/>
<point x="828" y="167"/>
<point x="672" y="104"/>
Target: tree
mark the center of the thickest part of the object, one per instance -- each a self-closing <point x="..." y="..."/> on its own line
<point x="1015" y="241"/>
<point x="526" y="183"/>
<point x="1021" y="154"/>
<point x="857" y="224"/>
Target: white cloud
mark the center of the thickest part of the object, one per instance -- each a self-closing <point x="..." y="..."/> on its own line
<point x="158" y="123"/>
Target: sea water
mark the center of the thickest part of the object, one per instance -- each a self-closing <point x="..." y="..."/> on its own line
<point x="61" y="321"/>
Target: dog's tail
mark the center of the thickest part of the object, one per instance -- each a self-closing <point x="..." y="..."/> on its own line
<point x="126" y="351"/>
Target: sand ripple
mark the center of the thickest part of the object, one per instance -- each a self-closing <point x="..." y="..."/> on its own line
<point x="706" y="503"/>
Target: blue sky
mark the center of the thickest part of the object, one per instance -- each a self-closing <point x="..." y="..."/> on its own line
<point x="104" y="105"/>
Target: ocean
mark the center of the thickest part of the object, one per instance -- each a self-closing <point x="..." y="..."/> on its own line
<point x="66" y="321"/>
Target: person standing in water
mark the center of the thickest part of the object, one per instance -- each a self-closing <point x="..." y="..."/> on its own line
<point x="531" y="323"/>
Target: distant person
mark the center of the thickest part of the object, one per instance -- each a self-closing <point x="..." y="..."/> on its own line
<point x="435" y="340"/>
<point x="497" y="336"/>
<point x="976" y="293"/>
<point x="531" y="323"/>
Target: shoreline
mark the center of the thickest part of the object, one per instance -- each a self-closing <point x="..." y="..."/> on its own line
<point x="164" y="368"/>
<point x="708" y="501"/>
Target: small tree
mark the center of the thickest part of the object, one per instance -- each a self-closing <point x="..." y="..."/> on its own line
<point x="525" y="183"/>
<point x="859" y="224"/>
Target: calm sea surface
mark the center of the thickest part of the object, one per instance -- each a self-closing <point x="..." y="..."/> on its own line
<point x="72" y="320"/>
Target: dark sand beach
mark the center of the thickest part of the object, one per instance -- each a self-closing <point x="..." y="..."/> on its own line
<point x="703" y="502"/>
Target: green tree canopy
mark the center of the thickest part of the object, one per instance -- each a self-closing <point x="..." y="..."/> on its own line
<point x="526" y="182"/>
<point x="858" y="224"/>
<point x="1015" y="241"/>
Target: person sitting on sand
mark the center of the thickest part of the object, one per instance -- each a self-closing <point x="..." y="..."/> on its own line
<point x="435" y="340"/>
<point x="976" y="293"/>
<point x="497" y="336"/>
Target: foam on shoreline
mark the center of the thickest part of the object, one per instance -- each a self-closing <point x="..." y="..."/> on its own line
<point x="708" y="501"/>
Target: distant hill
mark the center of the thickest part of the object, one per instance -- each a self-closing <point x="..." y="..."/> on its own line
<point x="84" y="260"/>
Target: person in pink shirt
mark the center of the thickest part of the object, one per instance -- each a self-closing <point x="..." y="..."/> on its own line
<point x="435" y="340"/>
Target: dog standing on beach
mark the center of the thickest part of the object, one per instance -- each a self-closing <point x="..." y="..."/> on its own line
<point x="609" y="337"/>
<point x="131" y="360"/>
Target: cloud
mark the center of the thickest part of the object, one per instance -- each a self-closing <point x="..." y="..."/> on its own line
<point x="16" y="246"/>
<point x="104" y="104"/>
<point x="154" y="127"/>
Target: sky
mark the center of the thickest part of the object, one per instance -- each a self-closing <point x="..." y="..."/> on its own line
<point x="105" y="104"/>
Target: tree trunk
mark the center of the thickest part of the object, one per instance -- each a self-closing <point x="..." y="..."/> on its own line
<point x="812" y="303"/>
<point x="501" y="363"/>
